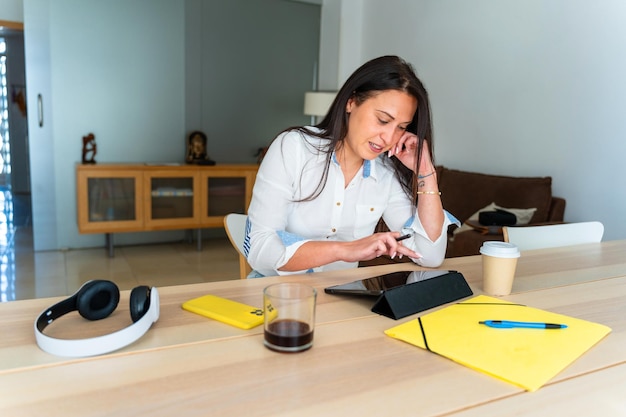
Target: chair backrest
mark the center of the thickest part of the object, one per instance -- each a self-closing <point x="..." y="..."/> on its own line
<point x="235" y="225"/>
<point x="549" y="236"/>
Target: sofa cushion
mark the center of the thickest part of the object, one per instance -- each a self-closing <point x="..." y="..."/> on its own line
<point x="523" y="216"/>
<point x="463" y="193"/>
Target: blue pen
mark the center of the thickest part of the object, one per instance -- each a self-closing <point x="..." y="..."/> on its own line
<point x="504" y="324"/>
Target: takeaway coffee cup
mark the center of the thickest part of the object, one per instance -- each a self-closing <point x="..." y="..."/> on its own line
<point x="499" y="263"/>
<point x="289" y="310"/>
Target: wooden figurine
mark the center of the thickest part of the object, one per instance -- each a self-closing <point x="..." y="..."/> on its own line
<point x="89" y="149"/>
<point x="196" y="149"/>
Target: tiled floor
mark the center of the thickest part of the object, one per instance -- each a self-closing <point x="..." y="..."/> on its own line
<point x="27" y="274"/>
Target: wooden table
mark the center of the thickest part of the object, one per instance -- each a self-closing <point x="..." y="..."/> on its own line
<point x="188" y="365"/>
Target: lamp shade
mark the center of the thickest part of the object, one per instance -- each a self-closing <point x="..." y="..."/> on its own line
<point x="317" y="103"/>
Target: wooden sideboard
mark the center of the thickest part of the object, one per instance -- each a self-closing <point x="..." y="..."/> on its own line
<point x="114" y="198"/>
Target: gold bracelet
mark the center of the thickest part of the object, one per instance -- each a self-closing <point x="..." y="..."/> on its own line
<point x="430" y="192"/>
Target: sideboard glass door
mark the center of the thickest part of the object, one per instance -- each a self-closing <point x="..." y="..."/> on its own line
<point x="172" y="198"/>
<point x="109" y="200"/>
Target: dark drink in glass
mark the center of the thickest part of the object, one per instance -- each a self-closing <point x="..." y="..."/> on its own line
<point x="289" y="316"/>
<point x="288" y="336"/>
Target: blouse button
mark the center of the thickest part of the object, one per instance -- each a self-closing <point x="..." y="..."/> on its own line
<point x="371" y="208"/>
<point x="338" y="203"/>
<point x="333" y="230"/>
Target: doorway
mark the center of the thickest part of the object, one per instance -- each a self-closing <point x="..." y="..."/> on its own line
<point x="15" y="192"/>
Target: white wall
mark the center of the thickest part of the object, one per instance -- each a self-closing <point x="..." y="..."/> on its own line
<point x="518" y="87"/>
<point x="125" y="85"/>
<point x="12" y="10"/>
<point x="118" y="69"/>
<point x="341" y="41"/>
<point x="528" y="87"/>
<point x="117" y="75"/>
<point x="244" y="86"/>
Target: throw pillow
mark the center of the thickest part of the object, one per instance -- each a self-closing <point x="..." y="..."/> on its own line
<point x="523" y="216"/>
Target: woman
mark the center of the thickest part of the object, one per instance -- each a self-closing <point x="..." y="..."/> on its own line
<point x="320" y="191"/>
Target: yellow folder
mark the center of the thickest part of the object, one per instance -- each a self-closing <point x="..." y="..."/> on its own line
<point x="525" y="357"/>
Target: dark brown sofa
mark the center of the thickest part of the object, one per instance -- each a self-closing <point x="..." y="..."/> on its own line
<point x="464" y="193"/>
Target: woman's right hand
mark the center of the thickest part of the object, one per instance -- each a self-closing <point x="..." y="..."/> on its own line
<point x="315" y="253"/>
<point x="374" y="246"/>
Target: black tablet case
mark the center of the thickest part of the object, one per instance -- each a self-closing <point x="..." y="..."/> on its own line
<point x="403" y="301"/>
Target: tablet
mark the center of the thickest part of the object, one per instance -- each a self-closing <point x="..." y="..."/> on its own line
<point x="375" y="286"/>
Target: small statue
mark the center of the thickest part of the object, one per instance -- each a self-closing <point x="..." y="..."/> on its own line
<point x="196" y="149"/>
<point x="89" y="149"/>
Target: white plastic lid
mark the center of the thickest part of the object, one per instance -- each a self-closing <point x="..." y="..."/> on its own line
<point x="500" y="249"/>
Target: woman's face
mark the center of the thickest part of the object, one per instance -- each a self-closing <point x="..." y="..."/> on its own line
<point x="378" y="123"/>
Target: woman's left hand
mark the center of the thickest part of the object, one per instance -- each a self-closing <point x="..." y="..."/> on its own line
<point x="406" y="151"/>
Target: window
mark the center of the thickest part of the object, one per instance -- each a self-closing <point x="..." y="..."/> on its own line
<point x="5" y="147"/>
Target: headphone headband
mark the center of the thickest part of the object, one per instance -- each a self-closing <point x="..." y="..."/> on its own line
<point x="96" y="345"/>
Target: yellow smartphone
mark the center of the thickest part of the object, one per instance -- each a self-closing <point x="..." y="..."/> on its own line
<point x="225" y="310"/>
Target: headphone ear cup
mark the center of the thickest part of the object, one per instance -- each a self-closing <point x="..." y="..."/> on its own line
<point x="97" y="299"/>
<point x="139" y="302"/>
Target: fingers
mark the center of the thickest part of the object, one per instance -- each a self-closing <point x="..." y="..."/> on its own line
<point x="403" y="250"/>
<point x="377" y="245"/>
<point x="406" y="144"/>
<point x="395" y="247"/>
<point x="381" y="248"/>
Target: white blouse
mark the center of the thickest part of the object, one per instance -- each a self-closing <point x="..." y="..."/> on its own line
<point x="279" y="224"/>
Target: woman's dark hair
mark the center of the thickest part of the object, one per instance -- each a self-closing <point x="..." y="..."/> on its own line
<point x="375" y="76"/>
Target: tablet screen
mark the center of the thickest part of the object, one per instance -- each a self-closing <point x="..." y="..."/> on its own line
<point x="377" y="285"/>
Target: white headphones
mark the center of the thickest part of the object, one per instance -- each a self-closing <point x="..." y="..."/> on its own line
<point x="96" y="300"/>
